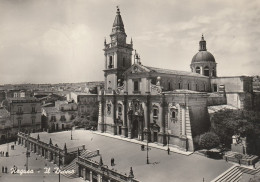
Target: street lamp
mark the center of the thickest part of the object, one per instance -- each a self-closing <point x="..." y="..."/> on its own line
<point x="169" y="132"/>
<point x="147" y="149"/>
<point x="27" y="152"/>
<point x="71" y="134"/>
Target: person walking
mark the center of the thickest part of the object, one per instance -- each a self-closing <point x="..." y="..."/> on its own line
<point x="112" y="161"/>
<point x="168" y="151"/>
<point x="3" y="169"/>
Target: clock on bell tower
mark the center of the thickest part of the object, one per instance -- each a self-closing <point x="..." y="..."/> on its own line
<point x="118" y="54"/>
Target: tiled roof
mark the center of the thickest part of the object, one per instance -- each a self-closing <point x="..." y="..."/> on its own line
<point x="174" y="72"/>
<point x="51" y="110"/>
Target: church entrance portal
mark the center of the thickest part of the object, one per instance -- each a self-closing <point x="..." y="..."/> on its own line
<point x="120" y="130"/>
<point x="155" y="137"/>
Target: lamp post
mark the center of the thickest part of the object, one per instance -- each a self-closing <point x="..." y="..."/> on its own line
<point x="71" y="134"/>
<point x="169" y="132"/>
<point x="59" y="164"/>
<point x="27" y="153"/>
<point x="147" y="156"/>
<point x="147" y="149"/>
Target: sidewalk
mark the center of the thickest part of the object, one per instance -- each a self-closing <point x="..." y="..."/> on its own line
<point x="153" y="145"/>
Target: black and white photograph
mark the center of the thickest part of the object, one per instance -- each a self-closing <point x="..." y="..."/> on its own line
<point x="129" y="91"/>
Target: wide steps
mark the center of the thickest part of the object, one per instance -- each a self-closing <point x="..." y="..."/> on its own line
<point x="69" y="167"/>
<point x="235" y="174"/>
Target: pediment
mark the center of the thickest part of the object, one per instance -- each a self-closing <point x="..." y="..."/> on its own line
<point x="135" y="69"/>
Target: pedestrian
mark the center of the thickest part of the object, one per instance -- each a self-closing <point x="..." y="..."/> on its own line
<point x="15" y="142"/>
<point x="3" y="153"/>
<point x="142" y="147"/>
<point x="112" y="161"/>
<point x="3" y="169"/>
<point x="239" y="162"/>
<point x="168" y="150"/>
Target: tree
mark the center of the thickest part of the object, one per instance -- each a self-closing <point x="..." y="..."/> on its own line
<point x="209" y="140"/>
<point x="226" y="123"/>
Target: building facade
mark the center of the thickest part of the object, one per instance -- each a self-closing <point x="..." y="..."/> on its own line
<point x="162" y="105"/>
<point x="24" y="114"/>
<point x="60" y="117"/>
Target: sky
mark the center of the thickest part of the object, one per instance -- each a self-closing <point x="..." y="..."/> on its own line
<point x="62" y="41"/>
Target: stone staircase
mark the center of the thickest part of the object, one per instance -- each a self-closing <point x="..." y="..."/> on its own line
<point x="234" y="174"/>
<point x="72" y="165"/>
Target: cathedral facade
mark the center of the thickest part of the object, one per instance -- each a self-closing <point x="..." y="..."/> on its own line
<point x="161" y="105"/>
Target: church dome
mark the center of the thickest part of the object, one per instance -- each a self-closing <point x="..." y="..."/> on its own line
<point x="203" y="56"/>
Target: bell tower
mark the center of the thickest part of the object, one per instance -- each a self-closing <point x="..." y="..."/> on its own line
<point x="118" y="54"/>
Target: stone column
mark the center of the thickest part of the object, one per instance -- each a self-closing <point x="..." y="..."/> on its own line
<point x="201" y="70"/>
<point x="125" y="108"/>
<point x="147" y="119"/>
<point x="84" y="173"/>
<point x="99" y="178"/>
<point x="148" y="86"/>
<point x="90" y="177"/>
<point x="46" y="154"/>
<point x="183" y="120"/>
<point x="129" y="123"/>
<point x="114" y="102"/>
<point x="105" y="61"/>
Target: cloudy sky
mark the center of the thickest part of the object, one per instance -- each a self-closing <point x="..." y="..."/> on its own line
<point x="52" y="41"/>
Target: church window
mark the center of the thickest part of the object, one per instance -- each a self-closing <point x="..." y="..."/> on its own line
<point x="215" y="88"/>
<point x="206" y="71"/>
<point x="198" y="70"/>
<point x="136" y="86"/>
<point x="179" y="86"/>
<point x="53" y="118"/>
<point x="110" y="62"/>
<point x="20" y="110"/>
<point x="120" y="109"/>
<point x="33" y="109"/>
<point x="108" y="108"/>
<point x="155" y="112"/>
<point x="173" y="114"/>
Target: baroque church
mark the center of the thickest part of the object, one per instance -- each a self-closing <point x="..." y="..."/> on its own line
<point x="162" y="105"/>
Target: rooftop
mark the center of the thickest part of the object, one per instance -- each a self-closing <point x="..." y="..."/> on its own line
<point x="173" y="72"/>
<point x="51" y="110"/>
<point x="213" y="109"/>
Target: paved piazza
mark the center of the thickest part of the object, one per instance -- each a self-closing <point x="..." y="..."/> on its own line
<point x="162" y="167"/>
